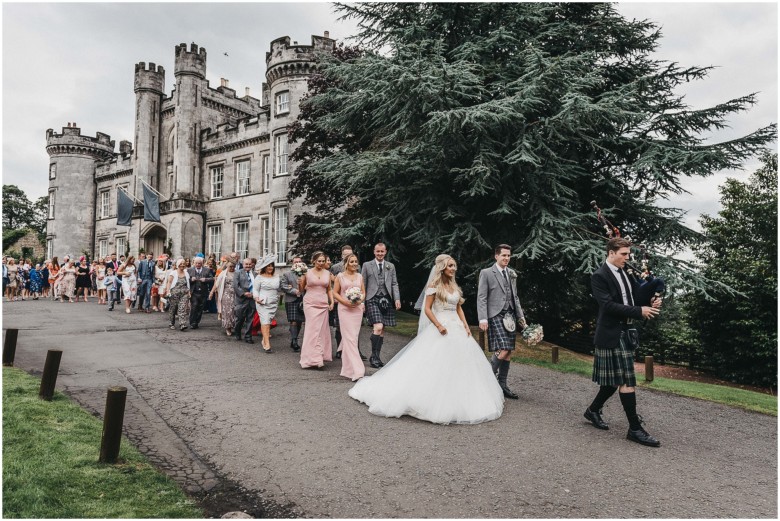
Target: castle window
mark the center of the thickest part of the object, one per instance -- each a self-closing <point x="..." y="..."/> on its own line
<point x="280" y="143"/>
<point x="51" y="204"/>
<point x="52" y="170"/>
<point x="280" y="234"/>
<point x="242" y="240"/>
<point x="121" y="246"/>
<point x="102" y="248"/>
<point x="282" y="103"/>
<point x="242" y="177"/>
<point x="216" y="181"/>
<point x="49" y="248"/>
<point x="265" y="235"/>
<point x="215" y="239"/>
<point x="105" y="204"/>
<point x="266" y="174"/>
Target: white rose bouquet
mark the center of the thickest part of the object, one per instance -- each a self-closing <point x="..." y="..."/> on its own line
<point x="533" y="334"/>
<point x="354" y="295"/>
<point x="299" y="268"/>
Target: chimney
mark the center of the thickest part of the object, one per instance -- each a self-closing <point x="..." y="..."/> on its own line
<point x="327" y="34"/>
<point x="125" y="147"/>
<point x="246" y="91"/>
<point x="68" y="124"/>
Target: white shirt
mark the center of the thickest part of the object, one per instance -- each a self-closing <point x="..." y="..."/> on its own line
<point x="616" y="272"/>
<point x="379" y="265"/>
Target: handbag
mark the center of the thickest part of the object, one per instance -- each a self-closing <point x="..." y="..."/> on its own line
<point x="509" y="322"/>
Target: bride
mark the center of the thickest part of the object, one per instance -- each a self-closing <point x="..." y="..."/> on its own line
<point x="442" y="375"/>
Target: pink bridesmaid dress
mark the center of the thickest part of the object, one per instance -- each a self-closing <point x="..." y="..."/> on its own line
<point x="349" y="321"/>
<point x="316" y="348"/>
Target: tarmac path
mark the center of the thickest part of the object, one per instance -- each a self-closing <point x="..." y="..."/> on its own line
<point x="207" y="408"/>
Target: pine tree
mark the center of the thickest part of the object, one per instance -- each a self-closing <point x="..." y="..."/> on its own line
<point x="462" y="125"/>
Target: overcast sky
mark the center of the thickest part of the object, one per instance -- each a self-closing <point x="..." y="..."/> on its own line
<point x="75" y="62"/>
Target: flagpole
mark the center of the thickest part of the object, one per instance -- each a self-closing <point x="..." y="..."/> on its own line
<point x="151" y="188"/>
<point x="128" y="194"/>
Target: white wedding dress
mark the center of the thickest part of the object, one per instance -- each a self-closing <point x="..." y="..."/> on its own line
<point x="438" y="378"/>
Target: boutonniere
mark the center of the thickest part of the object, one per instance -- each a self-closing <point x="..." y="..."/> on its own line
<point x="512" y="274"/>
<point x="388" y="268"/>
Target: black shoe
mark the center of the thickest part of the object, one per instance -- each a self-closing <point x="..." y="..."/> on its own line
<point x="508" y="393"/>
<point x="249" y="341"/>
<point x="238" y="339"/>
<point x="183" y="328"/>
<point x="375" y="363"/>
<point x="269" y="350"/>
<point x="362" y="356"/>
<point x="596" y="419"/>
<point x="641" y="436"/>
<point x="193" y="326"/>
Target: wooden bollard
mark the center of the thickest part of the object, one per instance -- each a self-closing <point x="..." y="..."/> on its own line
<point x="113" y="419"/>
<point x="554" y="354"/>
<point x="49" y="378"/>
<point x="649" y="369"/>
<point x="9" y="346"/>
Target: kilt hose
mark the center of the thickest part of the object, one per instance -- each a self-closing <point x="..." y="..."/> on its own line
<point x="614" y="366"/>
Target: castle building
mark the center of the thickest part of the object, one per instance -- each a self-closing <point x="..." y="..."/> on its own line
<point x="220" y="163"/>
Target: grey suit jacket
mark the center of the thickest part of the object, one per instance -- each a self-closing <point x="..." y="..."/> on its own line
<point x="491" y="293"/>
<point x="145" y="272"/>
<point x="289" y="285"/>
<point x="370" y="273"/>
<point x="242" y="285"/>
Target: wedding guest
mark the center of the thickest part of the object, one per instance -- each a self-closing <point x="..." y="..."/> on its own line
<point x="129" y="282"/>
<point x="317" y="302"/>
<point x="293" y="300"/>
<point x="145" y="281"/>
<point x="111" y="285"/>
<point x="350" y="316"/>
<point x="243" y="282"/>
<point x="177" y="291"/>
<point x="36" y="283"/>
<point x="159" y="280"/>
<point x="211" y="304"/>
<point x="82" y="279"/>
<point x="45" y="279"/>
<point x="265" y="291"/>
<point x="5" y="275"/>
<point x="100" y="280"/>
<point x="54" y="270"/>
<point x="68" y="280"/>
<point x="383" y="299"/>
<point x="225" y="297"/>
<point x="200" y="278"/>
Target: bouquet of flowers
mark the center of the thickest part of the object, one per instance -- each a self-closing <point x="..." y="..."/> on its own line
<point x="299" y="268"/>
<point x="533" y="334"/>
<point x="354" y="295"/>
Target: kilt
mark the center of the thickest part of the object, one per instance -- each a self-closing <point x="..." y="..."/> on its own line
<point x="294" y="310"/>
<point x="498" y="337"/>
<point x="374" y="314"/>
<point x="614" y="366"/>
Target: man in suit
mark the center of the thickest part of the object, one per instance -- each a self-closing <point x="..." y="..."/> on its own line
<point x="244" y="306"/>
<point x="292" y="304"/>
<point x="497" y="301"/>
<point x="616" y="339"/>
<point x="145" y="281"/>
<point x="381" y="288"/>
<point x="118" y="286"/>
<point x="200" y="278"/>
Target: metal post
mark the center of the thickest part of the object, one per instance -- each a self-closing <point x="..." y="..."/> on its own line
<point x="554" y="354"/>
<point x="113" y="419"/>
<point x="49" y="378"/>
<point x="9" y="346"/>
<point x="648" y="368"/>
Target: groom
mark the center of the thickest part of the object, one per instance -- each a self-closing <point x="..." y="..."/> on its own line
<point x="496" y="299"/>
<point x="383" y="298"/>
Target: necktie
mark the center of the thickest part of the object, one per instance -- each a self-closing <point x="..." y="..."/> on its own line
<point x="627" y="287"/>
<point x="380" y="267"/>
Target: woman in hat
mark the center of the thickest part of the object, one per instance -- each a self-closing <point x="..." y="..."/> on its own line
<point x="266" y="294"/>
<point x="226" y="297"/>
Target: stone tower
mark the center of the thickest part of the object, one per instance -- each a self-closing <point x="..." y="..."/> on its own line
<point x="148" y="87"/>
<point x="71" y="221"/>
<point x="190" y="74"/>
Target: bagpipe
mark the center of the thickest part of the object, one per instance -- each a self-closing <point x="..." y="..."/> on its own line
<point x="649" y="287"/>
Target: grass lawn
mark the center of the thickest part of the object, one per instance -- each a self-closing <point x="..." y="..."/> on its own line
<point x="50" y="467"/>
<point x="570" y="362"/>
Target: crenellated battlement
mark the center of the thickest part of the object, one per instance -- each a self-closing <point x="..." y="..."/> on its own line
<point x="192" y="62"/>
<point x="245" y="132"/>
<point x="292" y="59"/>
<point x="151" y="78"/>
<point x="70" y="141"/>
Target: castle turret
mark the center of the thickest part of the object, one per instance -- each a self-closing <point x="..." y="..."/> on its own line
<point x="73" y="157"/>
<point x="190" y="73"/>
<point x="148" y="88"/>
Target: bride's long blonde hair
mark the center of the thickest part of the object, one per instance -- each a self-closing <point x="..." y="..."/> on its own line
<point x="441" y="282"/>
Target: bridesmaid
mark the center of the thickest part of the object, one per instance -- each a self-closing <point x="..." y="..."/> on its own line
<point x="68" y="280"/>
<point x="265" y="291"/>
<point x="350" y="318"/>
<point x="317" y="302"/>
